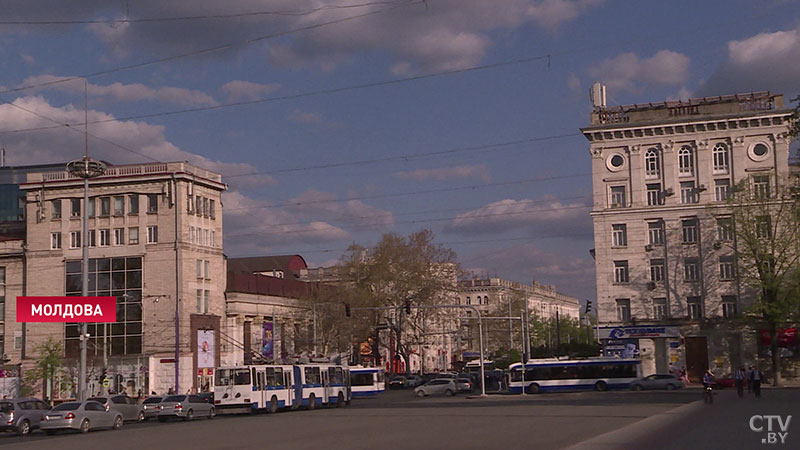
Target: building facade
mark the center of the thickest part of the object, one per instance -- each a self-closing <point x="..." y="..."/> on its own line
<point x="666" y="281"/>
<point x="155" y="243"/>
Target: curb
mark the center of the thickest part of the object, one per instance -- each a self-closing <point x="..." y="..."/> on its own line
<point x="630" y="436"/>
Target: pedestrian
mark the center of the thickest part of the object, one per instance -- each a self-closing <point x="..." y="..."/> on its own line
<point x="757" y="382"/>
<point x="682" y="375"/>
<point x="750" y="380"/>
<point x="170" y="391"/>
<point x="739" y="376"/>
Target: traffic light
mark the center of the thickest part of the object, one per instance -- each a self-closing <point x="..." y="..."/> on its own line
<point x="408" y="307"/>
<point x="588" y="307"/>
<point x="347" y="309"/>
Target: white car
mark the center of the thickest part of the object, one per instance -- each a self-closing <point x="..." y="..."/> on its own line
<point x="437" y="386"/>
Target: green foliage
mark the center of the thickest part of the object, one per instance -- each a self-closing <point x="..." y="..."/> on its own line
<point x="794" y="129"/>
<point x="48" y="362"/>
<point x="503" y="358"/>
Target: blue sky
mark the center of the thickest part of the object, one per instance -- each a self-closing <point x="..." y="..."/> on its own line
<point x="477" y="139"/>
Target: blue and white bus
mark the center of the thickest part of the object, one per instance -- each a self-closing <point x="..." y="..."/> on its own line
<point x="264" y="387"/>
<point x="551" y="374"/>
<point x="367" y="381"/>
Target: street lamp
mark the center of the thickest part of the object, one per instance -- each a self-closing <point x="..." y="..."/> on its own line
<point x="85" y="168"/>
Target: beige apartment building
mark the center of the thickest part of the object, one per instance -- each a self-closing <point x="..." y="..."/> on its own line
<point x="666" y="283"/>
<point x="155" y="243"/>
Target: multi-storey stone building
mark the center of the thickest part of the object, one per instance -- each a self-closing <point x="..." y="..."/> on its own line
<point x="664" y="263"/>
<point x="155" y="243"/>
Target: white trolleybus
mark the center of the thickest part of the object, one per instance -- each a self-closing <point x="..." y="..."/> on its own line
<point x="269" y="388"/>
<point x="367" y="381"/>
<point x="551" y="374"/>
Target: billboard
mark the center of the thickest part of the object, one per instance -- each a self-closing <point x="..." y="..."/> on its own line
<point x="267" y="340"/>
<point x="205" y="349"/>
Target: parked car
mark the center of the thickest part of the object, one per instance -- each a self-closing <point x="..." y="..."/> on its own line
<point x="438" y="386"/>
<point x="128" y="407"/>
<point x="657" y="381"/>
<point x="397" y="382"/>
<point x="413" y="381"/>
<point x="185" y="407"/>
<point x="464" y="384"/>
<point x="22" y="415"/>
<point x="81" y="416"/>
<point x="150" y="407"/>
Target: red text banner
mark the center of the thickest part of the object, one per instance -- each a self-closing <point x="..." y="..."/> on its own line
<point x="66" y="309"/>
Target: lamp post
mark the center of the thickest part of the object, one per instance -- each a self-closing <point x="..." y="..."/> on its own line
<point x="85" y="168"/>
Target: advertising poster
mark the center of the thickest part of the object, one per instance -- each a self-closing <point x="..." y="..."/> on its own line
<point x="267" y="340"/>
<point x="205" y="349"/>
<point x="622" y="348"/>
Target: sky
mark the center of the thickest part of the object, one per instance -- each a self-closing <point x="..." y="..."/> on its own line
<point x="335" y="121"/>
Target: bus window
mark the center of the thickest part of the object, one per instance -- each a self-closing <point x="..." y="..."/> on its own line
<point x="312" y="375"/>
<point x="270" y="376"/>
<point x="278" y="377"/>
<point x="223" y="377"/>
<point x="241" y="377"/>
<point x="516" y="375"/>
<point x="361" y="379"/>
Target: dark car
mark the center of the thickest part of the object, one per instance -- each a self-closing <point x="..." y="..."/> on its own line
<point x="397" y="382"/>
<point x="464" y="384"/>
<point x="22" y="415"/>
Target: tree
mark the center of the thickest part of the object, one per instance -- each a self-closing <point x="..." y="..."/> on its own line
<point x="48" y="362"/>
<point x="396" y="272"/>
<point x="794" y="129"/>
<point x="766" y="229"/>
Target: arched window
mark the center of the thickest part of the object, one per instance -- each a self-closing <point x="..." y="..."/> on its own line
<point x="685" y="161"/>
<point x="468" y="301"/>
<point x="720" y="154"/>
<point x="652" y="163"/>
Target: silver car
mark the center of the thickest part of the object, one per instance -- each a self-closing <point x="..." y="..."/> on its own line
<point x="81" y="416"/>
<point x="186" y="407"/>
<point x="150" y="407"/>
<point x="437" y="386"/>
<point x="657" y="381"/>
<point x="128" y="407"/>
<point x="22" y="415"/>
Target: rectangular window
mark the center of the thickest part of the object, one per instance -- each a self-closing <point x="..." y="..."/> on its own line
<point x="205" y="207"/>
<point x="623" y="310"/>
<point x="211" y="212"/>
<point x="119" y="236"/>
<point x="619" y="235"/>
<point x="119" y="206"/>
<point x="55" y="241"/>
<point x="691" y="270"/>
<point x="92" y="238"/>
<point x="722" y="189"/>
<point x="198" y="205"/>
<point x="620" y="271"/>
<point x="199" y="268"/>
<point x="206" y="265"/>
<point x="91" y="207"/>
<point x="152" y="234"/>
<point x="761" y="186"/>
<point x="694" y="306"/>
<point x="56" y="207"/>
<point x="724" y="229"/>
<point x="133" y="204"/>
<point x="654" y="195"/>
<point x="206" y="295"/>
<point x="660" y="310"/>
<point x="618" y="199"/>
<point x="133" y="235"/>
<point x="205" y="237"/>
<point x="729" y="310"/>
<point x="105" y="238"/>
<point x="105" y="206"/>
<point x="200" y="301"/>
<point x="152" y="203"/>
<point x="763" y="227"/>
<point x="726" y="268"/>
<point x="688" y="192"/>
<point x="74" y="239"/>
<point x="213" y="242"/>
<point x="656" y="270"/>
<point x="655" y="233"/>
<point x="75" y="207"/>
<point x="689" y="231"/>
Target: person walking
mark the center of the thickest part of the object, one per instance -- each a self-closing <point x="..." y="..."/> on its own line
<point x="757" y="382"/>
<point x="739" y="376"/>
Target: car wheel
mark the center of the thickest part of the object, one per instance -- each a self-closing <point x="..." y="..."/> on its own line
<point x="140" y="418"/>
<point x="312" y="402"/>
<point x="420" y="393"/>
<point x="670" y="387"/>
<point x="85" y="426"/>
<point x="449" y="393"/>
<point x="600" y="386"/>
<point x="339" y="400"/>
<point x="212" y="413"/>
<point x="24" y="428"/>
<point x="189" y="415"/>
<point x="117" y="423"/>
<point x="533" y="389"/>
<point x="636" y="387"/>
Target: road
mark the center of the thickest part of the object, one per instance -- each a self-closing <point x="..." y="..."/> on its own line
<point x="398" y="420"/>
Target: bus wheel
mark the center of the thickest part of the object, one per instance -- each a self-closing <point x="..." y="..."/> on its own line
<point x="533" y="388"/>
<point x="312" y="402"/>
<point x="339" y="400"/>
<point x="273" y="405"/>
<point x="600" y="386"/>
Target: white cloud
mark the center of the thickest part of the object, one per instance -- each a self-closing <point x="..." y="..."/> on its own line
<point x="479" y="172"/>
<point x="124" y="92"/>
<point x="314" y="203"/>
<point x="543" y="215"/>
<point x="310" y="118"/>
<point x="766" y="61"/>
<point x="247" y="90"/>
<point x="629" y="72"/>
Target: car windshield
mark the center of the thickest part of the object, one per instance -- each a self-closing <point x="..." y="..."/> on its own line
<point x="71" y="406"/>
<point x="6" y="407"/>
<point x="153" y="400"/>
<point x="175" y="398"/>
<point x="98" y="399"/>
